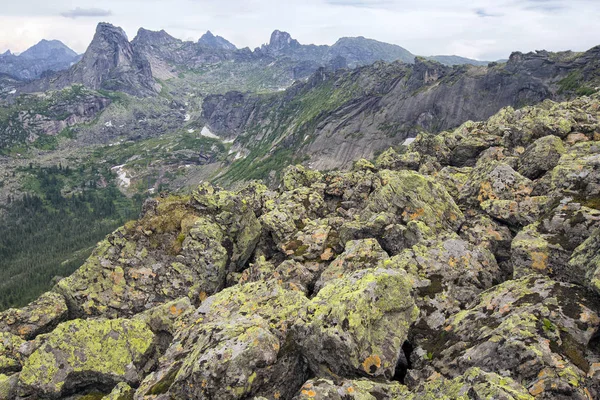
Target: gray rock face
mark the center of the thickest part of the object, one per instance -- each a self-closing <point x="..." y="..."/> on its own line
<point x="364" y="111"/>
<point x="218" y="42"/>
<point x="109" y="63"/>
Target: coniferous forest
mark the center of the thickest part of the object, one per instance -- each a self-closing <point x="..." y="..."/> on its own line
<point x="52" y="229"/>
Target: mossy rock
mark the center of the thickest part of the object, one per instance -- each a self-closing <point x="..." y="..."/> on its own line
<point x="541" y="156"/>
<point x="586" y="261"/>
<point x="296" y="176"/>
<point x="358" y="254"/>
<point x="527" y="327"/>
<point x="11" y="358"/>
<point x="356" y="325"/>
<point x="237" y="344"/>
<point x="414" y="197"/>
<point x="121" y="392"/>
<point x="363" y="389"/>
<point x="82" y="353"/>
<point x="8" y="386"/>
<point x="40" y="316"/>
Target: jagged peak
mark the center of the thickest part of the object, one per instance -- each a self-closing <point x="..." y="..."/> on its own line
<point x="281" y="39"/>
<point x="215" y="41"/>
<point x="148" y="36"/>
<point x="104" y="28"/>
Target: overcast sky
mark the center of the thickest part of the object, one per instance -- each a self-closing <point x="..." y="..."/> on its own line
<point x="481" y="29"/>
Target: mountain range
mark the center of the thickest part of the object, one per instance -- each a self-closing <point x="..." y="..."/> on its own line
<point x="167" y="54"/>
<point x="47" y="55"/>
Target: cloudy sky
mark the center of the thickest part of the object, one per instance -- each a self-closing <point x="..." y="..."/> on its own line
<point x="481" y="29"/>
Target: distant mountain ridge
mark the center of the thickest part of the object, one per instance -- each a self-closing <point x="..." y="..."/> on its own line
<point x="47" y="55"/>
<point x="156" y="55"/>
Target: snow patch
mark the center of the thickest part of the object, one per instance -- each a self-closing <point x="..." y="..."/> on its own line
<point x="124" y="181"/>
<point x="108" y="124"/>
<point x="238" y="156"/>
<point x="408" y="141"/>
<point x="191" y="130"/>
<point x="187" y="117"/>
<point x="207" y="133"/>
<point x="13" y="91"/>
<point x="229" y="141"/>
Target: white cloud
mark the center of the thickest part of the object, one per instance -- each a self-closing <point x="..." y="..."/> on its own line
<point x="484" y="29"/>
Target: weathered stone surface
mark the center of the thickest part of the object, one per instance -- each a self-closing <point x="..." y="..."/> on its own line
<point x="546" y="246"/>
<point x="517" y="213"/>
<point x="236" y="346"/>
<point x="357" y="325"/>
<point x="414" y="197"/>
<point x="41" y="316"/>
<point x="8" y="386"/>
<point x="359" y="254"/>
<point x="577" y="172"/>
<point x="121" y="392"/>
<point x="296" y="176"/>
<point x="325" y="389"/>
<point x="541" y="156"/>
<point x="11" y="358"/>
<point x="172" y="252"/>
<point x="483" y="231"/>
<point x="585" y="262"/>
<point x="537" y="331"/>
<point x="494" y="181"/>
<point x="88" y="353"/>
<point x="449" y="275"/>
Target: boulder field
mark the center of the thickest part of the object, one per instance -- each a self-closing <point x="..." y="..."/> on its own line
<point x="463" y="266"/>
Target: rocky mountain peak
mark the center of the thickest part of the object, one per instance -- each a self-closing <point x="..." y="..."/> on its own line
<point x="217" y="42"/>
<point x="145" y="36"/>
<point x="48" y="49"/>
<point x="281" y="41"/>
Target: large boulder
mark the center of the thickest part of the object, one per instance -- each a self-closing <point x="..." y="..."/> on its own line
<point x="85" y="354"/>
<point x="494" y="181"/>
<point x="536" y="331"/>
<point x="236" y="346"/>
<point x="356" y="325"/>
<point x="547" y="245"/>
<point x="326" y="389"/>
<point x="585" y="262"/>
<point x="359" y="254"/>
<point x="181" y="247"/>
<point x="409" y="196"/>
<point x="541" y="156"/>
<point x="41" y="316"/>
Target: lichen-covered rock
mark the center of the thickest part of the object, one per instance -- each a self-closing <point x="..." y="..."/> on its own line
<point x="449" y="275"/>
<point x="290" y="212"/>
<point x="537" y="331"/>
<point x="175" y="250"/>
<point x="585" y="261"/>
<point x="454" y="179"/>
<point x="11" y="358"/>
<point x="168" y="317"/>
<point x="547" y="245"/>
<point x="237" y="346"/>
<point x="121" y="392"/>
<point x="483" y="231"/>
<point x="364" y="389"/>
<point x="494" y="181"/>
<point x="40" y="316"/>
<point x="8" y="386"/>
<point x="296" y="176"/>
<point x="350" y="189"/>
<point x="414" y="197"/>
<point x="474" y="384"/>
<point x="577" y="171"/>
<point x="356" y="325"/>
<point x="517" y="213"/>
<point x="541" y="156"/>
<point x="85" y="354"/>
<point x="359" y="254"/>
<point x="311" y="243"/>
<point x="390" y="159"/>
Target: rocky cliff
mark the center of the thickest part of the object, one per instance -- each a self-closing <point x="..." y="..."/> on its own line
<point x="335" y="118"/>
<point x="465" y="266"/>
<point x="109" y="63"/>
